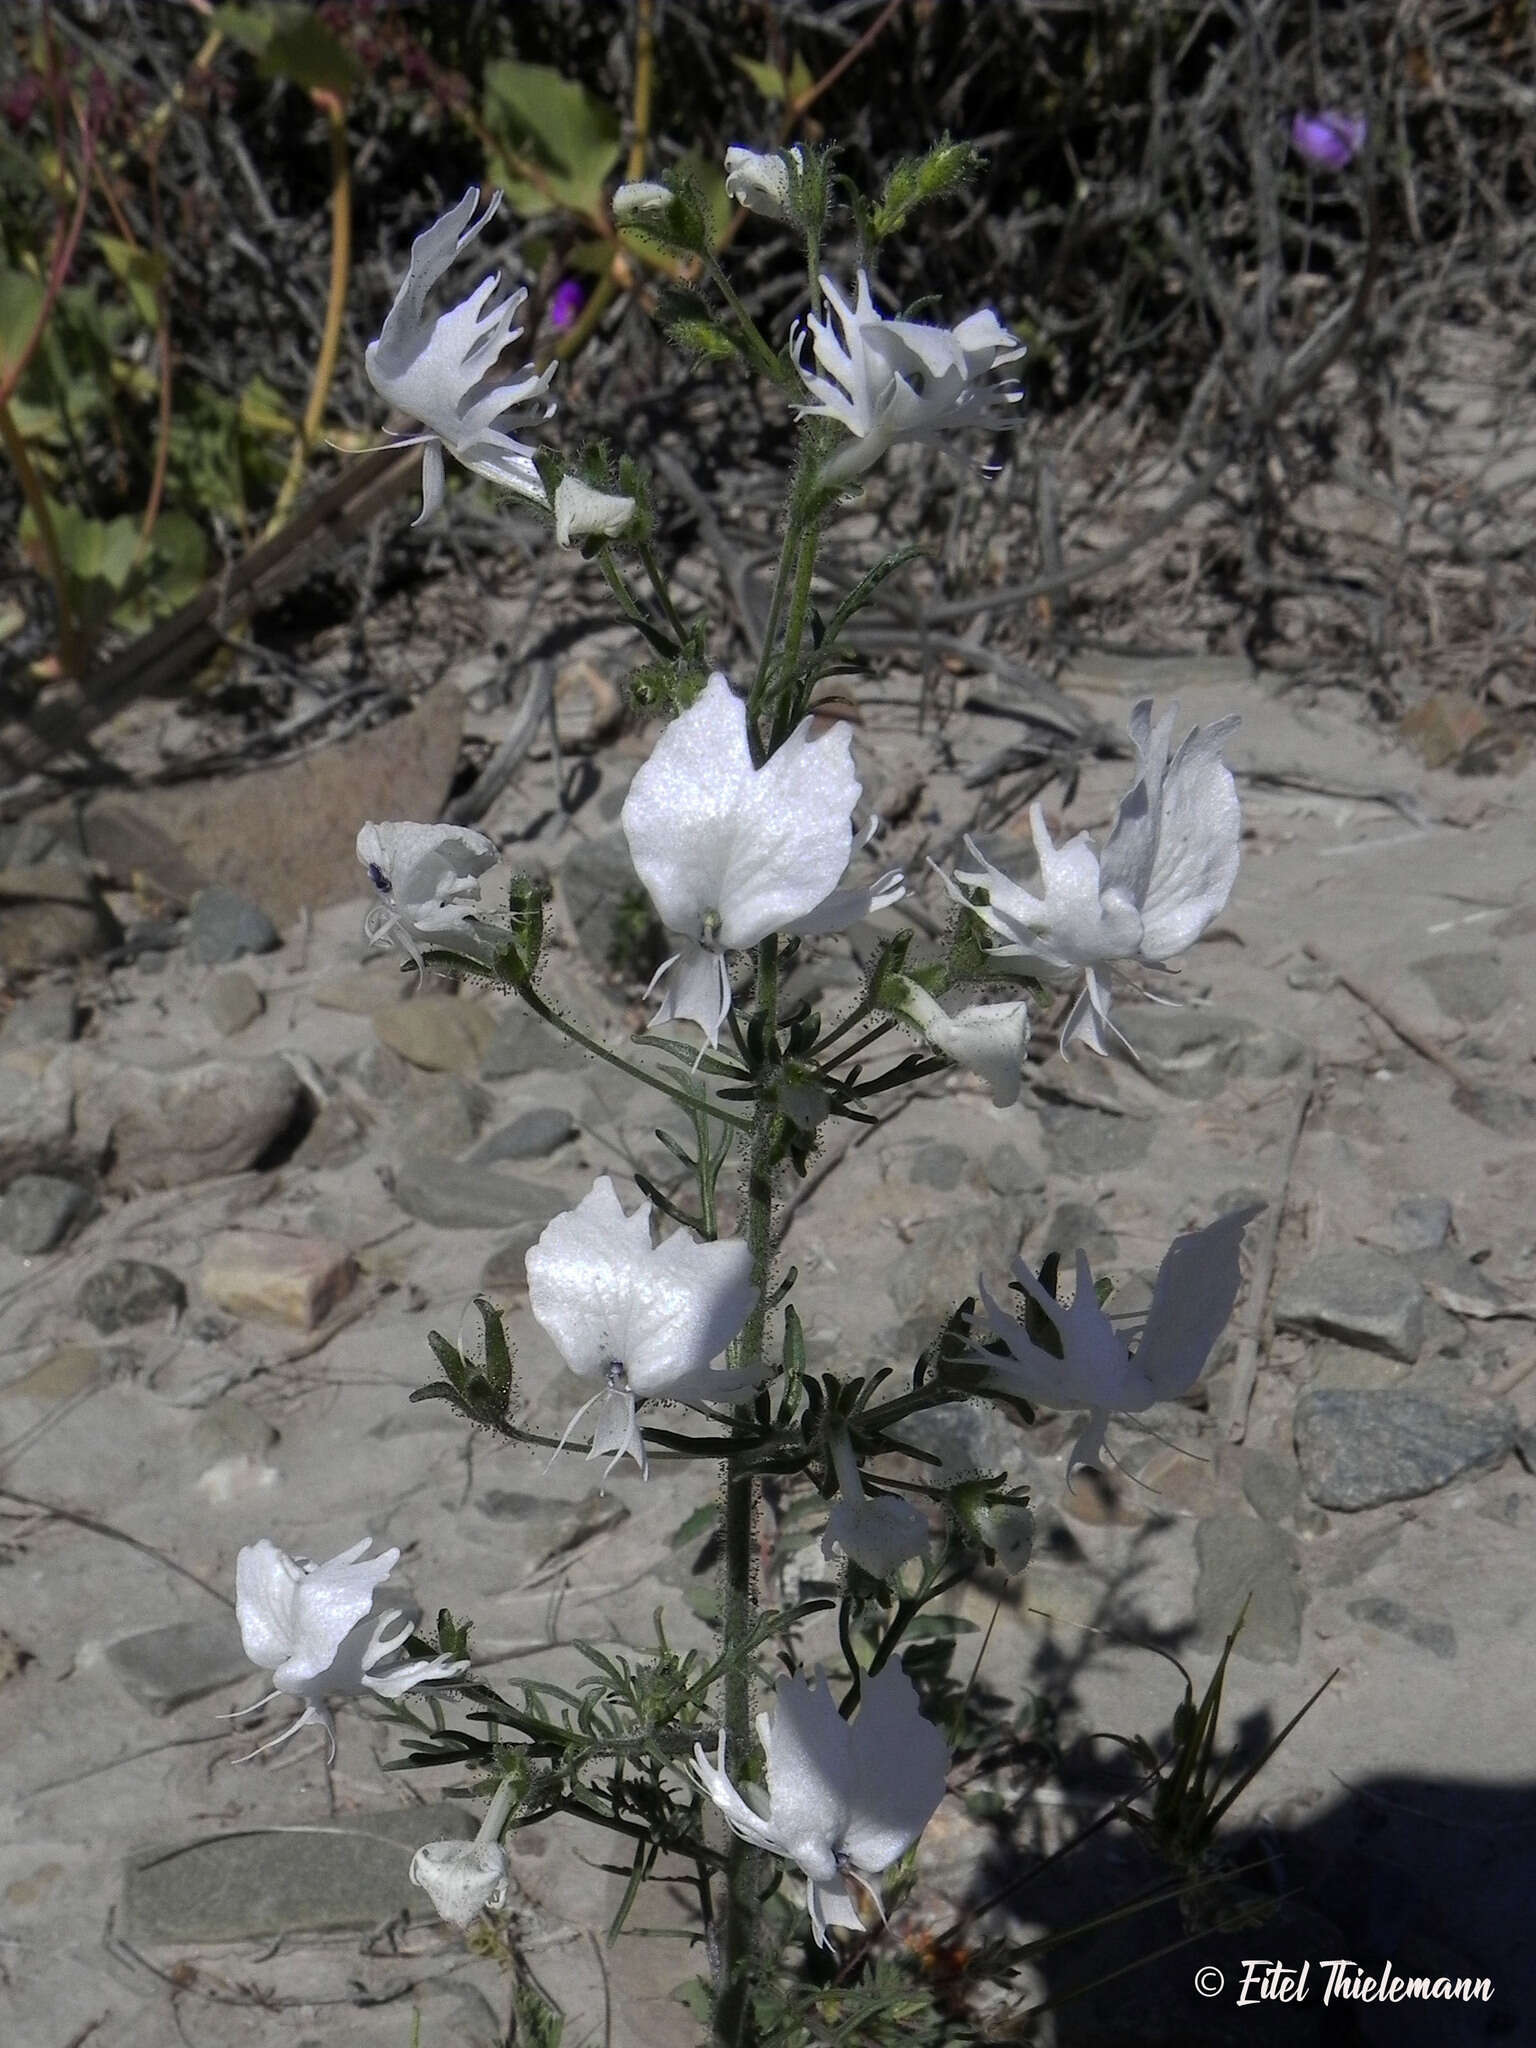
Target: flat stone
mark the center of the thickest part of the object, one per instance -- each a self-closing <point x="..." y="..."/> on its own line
<point x="37" y="1123"/>
<point x="1459" y="1286"/>
<point x="362" y="991"/>
<point x="440" y="1113"/>
<point x="1466" y="986"/>
<point x="1421" y="1223"/>
<point x="1271" y="1486"/>
<point x="609" y="911"/>
<point x="51" y="914"/>
<point x="336" y="1137"/>
<point x="1243" y="1559"/>
<point x="1358" y="1450"/>
<point x="1087" y="1141"/>
<point x="67" y="1371"/>
<point x="231" y="1001"/>
<point x="533" y="1135"/>
<point x="1369" y="1298"/>
<point x="163" y="1668"/>
<point x="228" y="1427"/>
<point x="261" y="1273"/>
<point x="1008" y="1172"/>
<point x="938" y="1165"/>
<point x="325" y="1877"/>
<point x="126" y="1292"/>
<point x="1438" y="1637"/>
<point x="439" y="1033"/>
<point x="1504" y="1110"/>
<point x="224" y="925"/>
<point x="522" y="1044"/>
<point x="456" y="1197"/>
<point x="506" y="1268"/>
<point x="967" y="1437"/>
<point x="944" y="1255"/>
<point x="39" y="1210"/>
<point x="1330" y="1364"/>
<point x="165" y="1129"/>
<point x="1193" y="1053"/>
<point x="1079" y="1227"/>
<point x="49" y="1017"/>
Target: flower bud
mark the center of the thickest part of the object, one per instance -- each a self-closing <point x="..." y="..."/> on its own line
<point x="582" y="512"/>
<point x="1000" y="1525"/>
<point x="763" y="183"/>
<point x="461" y="1878"/>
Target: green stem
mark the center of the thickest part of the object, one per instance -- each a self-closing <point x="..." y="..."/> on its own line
<point x="540" y="1008"/>
<point x="663" y="594"/>
<point x="629" y="604"/>
<point x="787" y="709"/>
<point x="758" y="346"/>
<point x="781" y="577"/>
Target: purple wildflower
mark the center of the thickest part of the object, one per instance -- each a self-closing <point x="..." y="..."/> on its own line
<point x="1327" y="141"/>
<point x="566" y="303"/>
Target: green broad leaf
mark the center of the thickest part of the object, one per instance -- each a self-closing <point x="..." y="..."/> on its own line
<point x="21" y="301"/>
<point x="927" y="1628"/>
<point x="571" y="135"/>
<point x="864" y="590"/>
<point x="768" y="78"/>
<point x="288" y="40"/>
<point x="140" y="272"/>
<point x="800" y="78"/>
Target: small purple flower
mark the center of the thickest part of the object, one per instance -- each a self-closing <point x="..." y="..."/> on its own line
<point x="566" y="303"/>
<point x="1327" y="141"/>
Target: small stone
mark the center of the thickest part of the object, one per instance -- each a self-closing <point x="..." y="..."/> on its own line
<point x="37" y="1121"/>
<point x="1078" y="1227"/>
<point x="335" y="1138"/>
<point x="362" y="991"/>
<point x="164" y="1129"/>
<point x="1456" y="1283"/>
<point x="1438" y="1637"/>
<point x="1359" y="1450"/>
<point x="69" y="1370"/>
<point x="440" y="1113"/>
<point x="1242" y="1559"/>
<point x="261" y="1273"/>
<point x="943" y="1256"/>
<point x="127" y="1292"/>
<point x="51" y="915"/>
<point x="1466" y="986"/>
<point x="533" y="1135"/>
<point x="1422" y="1222"/>
<point x="1272" y="1486"/>
<point x="228" y="1427"/>
<point x="1504" y="1110"/>
<point x="1192" y="1053"/>
<point x="50" y="1017"/>
<point x="454" y="1197"/>
<point x="506" y="1269"/>
<point x="224" y="925"/>
<point x="938" y="1165"/>
<point x="1089" y="1141"/>
<point x="350" y="1872"/>
<point x="967" y="1437"/>
<point x="164" y="1668"/>
<point x="522" y="1044"/>
<point x="1008" y="1172"/>
<point x="231" y="1001"/>
<point x="1368" y="1298"/>
<point x="38" y="1211"/>
<point x="1333" y="1365"/>
<point x="439" y="1033"/>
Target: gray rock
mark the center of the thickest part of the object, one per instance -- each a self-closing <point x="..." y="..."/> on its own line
<point x="1358" y="1450"/>
<point x="127" y="1292"/>
<point x="224" y="925"/>
<point x="38" y="1211"/>
<point x="1193" y="1053"/>
<point x="441" y="1113"/>
<point x="49" y="1017"/>
<point x="229" y="1428"/>
<point x="506" y="1267"/>
<point x="968" y="1437"/>
<point x="163" y="1668"/>
<point x="523" y="1044"/>
<point x="1466" y="986"/>
<point x="1079" y="1227"/>
<point x="1422" y="1222"/>
<point x="335" y="1138"/>
<point x="351" y="1872"/>
<point x="944" y="1255"/>
<point x="1088" y="1141"/>
<point x="231" y="1001"/>
<point x="938" y="1165"/>
<point x="608" y="909"/>
<point x="1504" y="1110"/>
<point x="1008" y="1172"/>
<point x="1464" y="1285"/>
<point x="37" y="1121"/>
<point x="51" y="914"/>
<point x="1368" y="1298"/>
<point x="1272" y="1486"/>
<point x="533" y="1135"/>
<point x="455" y="1197"/>
<point x="1242" y="1559"/>
<point x="164" y="1129"/>
<point x="1438" y="1637"/>
<point x="1330" y="1364"/>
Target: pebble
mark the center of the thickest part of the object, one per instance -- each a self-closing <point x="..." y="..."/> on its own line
<point x="440" y="1033"/>
<point x="440" y="1113"/>
<point x="1369" y="1298"/>
<point x="126" y="1292"/>
<point x="1075" y="1227"/>
<point x="1466" y="986"/>
<point x="943" y="1256"/>
<point x="362" y="991"/>
<point x="1271" y="1486"/>
<point x="449" y="1194"/>
<point x="165" y="1129"/>
<point x="1361" y="1449"/>
<point x="350" y="1872"/>
<point x="533" y="1135"/>
<point x="229" y="1427"/>
<point x="1008" y="1172"/>
<point x="1504" y="1110"/>
<point x="51" y="914"/>
<point x="262" y="1273"/>
<point x="1438" y="1637"/>
<point x="37" y="1123"/>
<point x="506" y="1268"/>
<point x="337" y="1136"/>
<point x="231" y="1001"/>
<point x="1192" y="1053"/>
<point x="938" y="1165"/>
<point x="164" y="1668"/>
<point x="1241" y="1558"/>
<point x="224" y="925"/>
<point x="1422" y="1222"/>
<point x="1088" y="1142"/>
<point x="51" y="1016"/>
<point x="39" y="1210"/>
<point x="522" y="1044"/>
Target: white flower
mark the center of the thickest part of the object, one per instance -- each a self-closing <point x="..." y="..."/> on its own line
<point x="761" y="182"/>
<point x="464" y="1878"/>
<point x="900" y="380"/>
<point x="845" y="1799"/>
<point x="645" y="1320"/>
<point x="1165" y="872"/>
<point x="427" y="878"/>
<point x="308" y="1624"/>
<point x="580" y="510"/>
<point x="879" y="1531"/>
<point x="442" y="371"/>
<point x="988" y="1038"/>
<point x="730" y="853"/>
<point x="1196" y="1286"/>
<point x="635" y="203"/>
